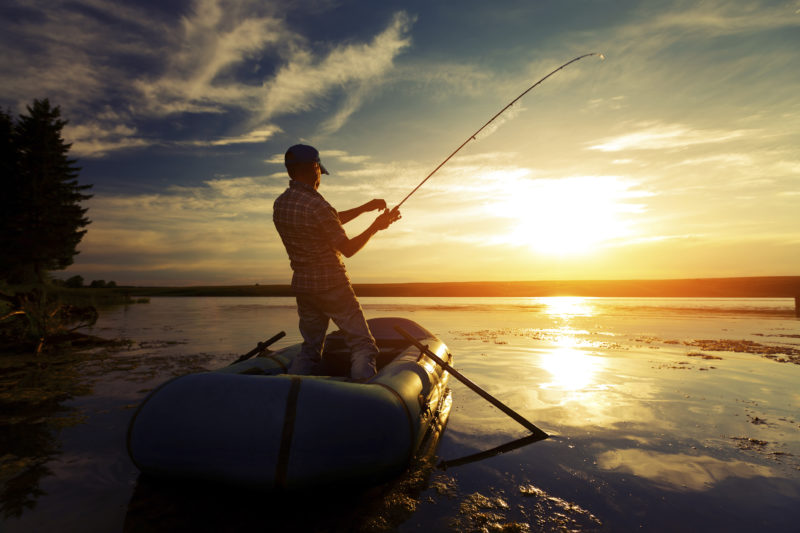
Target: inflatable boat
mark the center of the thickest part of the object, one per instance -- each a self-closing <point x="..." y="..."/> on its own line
<point x="252" y="423"/>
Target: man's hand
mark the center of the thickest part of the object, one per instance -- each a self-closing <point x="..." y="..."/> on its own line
<point x="350" y="214"/>
<point x="374" y="205"/>
<point x="386" y="218"/>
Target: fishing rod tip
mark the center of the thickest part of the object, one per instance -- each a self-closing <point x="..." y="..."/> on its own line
<point x="602" y="56"/>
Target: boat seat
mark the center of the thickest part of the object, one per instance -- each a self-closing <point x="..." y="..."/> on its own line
<point x="336" y="356"/>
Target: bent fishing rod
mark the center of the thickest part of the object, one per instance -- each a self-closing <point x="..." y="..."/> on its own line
<point x="472" y="137"/>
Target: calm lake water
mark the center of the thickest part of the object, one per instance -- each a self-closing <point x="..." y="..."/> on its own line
<point x="665" y="415"/>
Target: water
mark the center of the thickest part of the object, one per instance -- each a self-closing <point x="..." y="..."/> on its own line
<point x="666" y="414"/>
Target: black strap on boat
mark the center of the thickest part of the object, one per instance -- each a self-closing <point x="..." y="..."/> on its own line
<point x="411" y="438"/>
<point x="287" y="433"/>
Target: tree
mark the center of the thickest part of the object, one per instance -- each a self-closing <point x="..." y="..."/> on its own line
<point x="8" y="169"/>
<point x="75" y="282"/>
<point x="42" y="221"/>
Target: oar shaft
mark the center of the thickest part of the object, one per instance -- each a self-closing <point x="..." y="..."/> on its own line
<point x="466" y="381"/>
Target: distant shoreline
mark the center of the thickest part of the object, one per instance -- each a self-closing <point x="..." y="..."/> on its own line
<point x="747" y="287"/>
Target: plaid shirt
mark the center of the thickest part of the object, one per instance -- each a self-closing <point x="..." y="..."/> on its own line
<point x="310" y="230"/>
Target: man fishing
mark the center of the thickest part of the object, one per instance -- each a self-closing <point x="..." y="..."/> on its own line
<point x="311" y="230"/>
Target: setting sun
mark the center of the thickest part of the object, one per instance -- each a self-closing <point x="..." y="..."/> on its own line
<point x="569" y="216"/>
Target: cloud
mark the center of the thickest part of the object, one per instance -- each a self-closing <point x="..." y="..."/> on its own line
<point x="666" y="137"/>
<point x="344" y="156"/>
<point x="70" y="52"/>
<point x="257" y="136"/>
<point x="352" y="103"/>
<point x="304" y="79"/>
<point x="214" y="41"/>
<point x="723" y="159"/>
<point x="655" y="26"/>
<point x="725" y="18"/>
<point x="221" y="57"/>
<point x="276" y="159"/>
<point x="96" y="139"/>
<point x="199" y="71"/>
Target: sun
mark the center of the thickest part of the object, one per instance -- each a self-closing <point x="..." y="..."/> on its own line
<point x="570" y="216"/>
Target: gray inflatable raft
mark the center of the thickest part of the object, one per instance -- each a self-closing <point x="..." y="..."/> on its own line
<point x="251" y="423"/>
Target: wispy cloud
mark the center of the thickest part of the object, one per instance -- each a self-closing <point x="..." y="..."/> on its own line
<point x="352" y="102"/>
<point x="70" y="51"/>
<point x="666" y="137"/>
<point x="656" y="26"/>
<point x="724" y="159"/>
<point x="221" y="57"/>
<point x="344" y="156"/>
<point x="213" y="39"/>
<point x="726" y="18"/>
<point x="97" y="138"/>
<point x="256" y="136"/>
<point x="304" y="79"/>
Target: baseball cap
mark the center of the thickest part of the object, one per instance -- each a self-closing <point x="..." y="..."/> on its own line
<point x="302" y="153"/>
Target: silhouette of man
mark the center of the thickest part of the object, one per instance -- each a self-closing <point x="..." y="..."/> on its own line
<point x="311" y="230"/>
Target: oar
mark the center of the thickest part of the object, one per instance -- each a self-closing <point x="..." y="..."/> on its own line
<point x="261" y="346"/>
<point x="466" y="381"/>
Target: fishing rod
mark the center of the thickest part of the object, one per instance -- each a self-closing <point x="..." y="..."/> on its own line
<point x="472" y="137"/>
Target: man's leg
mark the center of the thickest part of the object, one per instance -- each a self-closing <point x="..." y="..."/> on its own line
<point x="313" y="326"/>
<point x="343" y="307"/>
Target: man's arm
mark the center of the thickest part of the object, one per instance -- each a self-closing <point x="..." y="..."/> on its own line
<point x="350" y="214"/>
<point x="351" y="246"/>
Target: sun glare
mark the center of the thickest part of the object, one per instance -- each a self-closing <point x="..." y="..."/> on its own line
<point x="570" y="369"/>
<point x="567" y="306"/>
<point x="568" y="216"/>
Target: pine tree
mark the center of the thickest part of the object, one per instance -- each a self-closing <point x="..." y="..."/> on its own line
<point x="44" y="220"/>
<point x="8" y="195"/>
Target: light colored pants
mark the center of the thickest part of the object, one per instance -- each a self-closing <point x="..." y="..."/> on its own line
<point x="340" y="305"/>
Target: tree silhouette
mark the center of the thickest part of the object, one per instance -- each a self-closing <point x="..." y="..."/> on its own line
<point x="41" y="219"/>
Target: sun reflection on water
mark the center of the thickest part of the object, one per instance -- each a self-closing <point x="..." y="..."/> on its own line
<point x="567" y="306"/>
<point x="571" y="368"/>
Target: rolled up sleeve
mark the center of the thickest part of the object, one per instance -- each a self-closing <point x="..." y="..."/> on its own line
<point x="331" y="227"/>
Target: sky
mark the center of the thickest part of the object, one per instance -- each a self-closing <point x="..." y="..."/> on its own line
<point x="674" y="157"/>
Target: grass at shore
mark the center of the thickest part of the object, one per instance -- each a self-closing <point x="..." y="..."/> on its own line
<point x="750" y="287"/>
<point x="78" y="297"/>
<point x="44" y="318"/>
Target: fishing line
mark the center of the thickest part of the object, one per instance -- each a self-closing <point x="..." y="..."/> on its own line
<point x="472" y="137"/>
